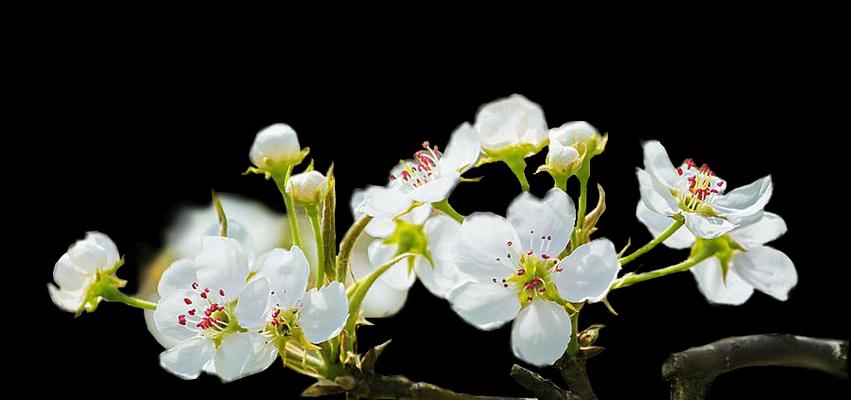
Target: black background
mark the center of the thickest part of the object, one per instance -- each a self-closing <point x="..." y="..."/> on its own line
<point x="120" y="137"/>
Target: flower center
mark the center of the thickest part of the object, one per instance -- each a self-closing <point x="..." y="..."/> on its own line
<point x="210" y="311"/>
<point x="698" y="187"/>
<point x="418" y="172"/>
<point x="531" y="278"/>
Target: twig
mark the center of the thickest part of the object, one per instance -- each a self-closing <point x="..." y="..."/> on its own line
<point x="542" y="388"/>
<point x="691" y="372"/>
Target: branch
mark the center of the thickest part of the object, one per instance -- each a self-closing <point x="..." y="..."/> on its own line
<point x="400" y="387"/>
<point x="542" y="388"/>
<point x="691" y="372"/>
<point x="575" y="374"/>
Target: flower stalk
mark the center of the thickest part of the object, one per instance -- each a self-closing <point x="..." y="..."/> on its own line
<point x="679" y="221"/>
<point x="313" y="215"/>
<point x="281" y="183"/>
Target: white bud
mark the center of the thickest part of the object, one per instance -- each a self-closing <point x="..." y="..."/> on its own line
<point x="308" y="188"/>
<point x="560" y="158"/>
<point x="573" y="133"/>
<point x="277" y="144"/>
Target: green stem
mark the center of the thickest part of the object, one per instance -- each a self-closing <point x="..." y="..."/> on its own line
<point x="281" y="182"/>
<point x="573" y="345"/>
<point x="560" y="180"/>
<point x="359" y="290"/>
<point x="518" y="167"/>
<point x="114" y="295"/>
<point x="444" y="207"/>
<point x="678" y="223"/>
<point x="313" y="214"/>
<point x="630" y="280"/>
<point x="348" y="244"/>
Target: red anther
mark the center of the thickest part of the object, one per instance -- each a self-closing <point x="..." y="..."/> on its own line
<point x="714" y="190"/>
<point x="192" y="311"/>
<point x="720" y="183"/>
<point x="549" y="237"/>
<point x="195" y="285"/>
<point x="275" y="322"/>
<point x="504" y="285"/>
<point x="679" y="171"/>
<point x="544" y="256"/>
<point x="426" y="144"/>
<point x="181" y="319"/>
<point x="521" y="271"/>
<point x="529" y="298"/>
<point x="509" y="243"/>
<point x="203" y="295"/>
<point x="207" y="290"/>
<point x="187" y="300"/>
<point x="221" y="292"/>
<point x="208" y="312"/>
<point x="559" y="269"/>
<point x="392" y="177"/>
<point x="529" y="252"/>
<point x="405" y="174"/>
<point x="276" y="313"/>
<point x="542" y="289"/>
<point x="689" y="163"/>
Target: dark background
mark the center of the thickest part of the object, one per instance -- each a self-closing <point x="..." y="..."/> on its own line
<point x="119" y="137"/>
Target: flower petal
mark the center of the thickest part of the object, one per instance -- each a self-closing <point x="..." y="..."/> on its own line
<point x="231" y="355"/>
<point x="65" y="300"/>
<point x="768" y="228"/>
<point x="222" y="264"/>
<point x="418" y="215"/>
<point x="164" y="341"/>
<point x="170" y="307"/>
<point x="261" y="356"/>
<point x="380" y="227"/>
<point x="658" y="164"/>
<point x="253" y="303"/>
<point x="437" y="190"/>
<point x="487" y="246"/>
<point x="382" y="300"/>
<point x="179" y="276"/>
<point x="572" y="133"/>
<point x="325" y="312"/>
<point x="288" y="273"/>
<point x="553" y="217"/>
<point x="707" y="227"/>
<point x="68" y="276"/>
<point x="655" y="195"/>
<point x="541" y="333"/>
<point x="733" y="291"/>
<point x="658" y="223"/>
<point x="486" y="306"/>
<point x="745" y="201"/>
<point x="444" y="275"/>
<point x="187" y="358"/>
<point x="88" y="256"/>
<point x="108" y="246"/>
<point x="384" y="202"/>
<point x="462" y="151"/>
<point x="511" y="121"/>
<point x="588" y="272"/>
<point x="768" y="270"/>
<point x="398" y="276"/>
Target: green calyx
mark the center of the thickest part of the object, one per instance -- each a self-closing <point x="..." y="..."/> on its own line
<point x="409" y="238"/>
<point x="532" y="280"/>
<point x="104" y="287"/>
<point x="284" y="329"/>
<point x="722" y="248"/>
<point x="514" y="157"/>
<point x="269" y="168"/>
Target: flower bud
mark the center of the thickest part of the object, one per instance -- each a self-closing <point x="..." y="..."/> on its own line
<point x="308" y="188"/>
<point x="560" y="158"/>
<point x="275" y="145"/>
<point x="573" y="134"/>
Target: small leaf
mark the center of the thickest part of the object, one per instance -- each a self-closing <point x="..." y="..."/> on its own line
<point x="590" y="351"/>
<point x="593" y="217"/>
<point x="588" y="336"/>
<point x="371" y="357"/>
<point x="625" y="247"/>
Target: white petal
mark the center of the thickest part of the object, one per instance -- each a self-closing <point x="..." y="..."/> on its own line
<point x="170" y="307"/>
<point x="384" y="202"/>
<point x="656" y="196"/>
<point x="553" y="217"/>
<point x="355" y="202"/>
<point x="462" y="152"/>
<point x="88" y="256"/>
<point x="262" y="355"/>
<point x="278" y="142"/>
<point x="253" y="303"/>
<point x="418" y="215"/>
<point x="572" y="133"/>
<point x="382" y="300"/>
<point x="707" y="227"/>
<point x="231" y="355"/>
<point x="68" y="276"/>
<point x="510" y="121"/>
<point x="108" y="246"/>
<point x="746" y="200"/>
<point x="658" y="223"/>
<point x="398" y="276"/>
<point x="164" y="341"/>
<point x="444" y="276"/>
<point x="325" y="312"/>
<point x="559" y="157"/>
<point x="588" y="272"/>
<point x="380" y="227"/>
<point x="483" y="238"/>
<point x="178" y="276"/>
<point x="768" y="270"/>
<point x="658" y="164"/>
<point x="222" y="264"/>
<point x="288" y="273"/>
<point x="437" y="190"/>
<point x="486" y="306"/>
<point x="768" y="228"/>
<point x="541" y="333"/>
<point x="65" y="300"/>
<point x="187" y="358"/>
<point x="733" y="291"/>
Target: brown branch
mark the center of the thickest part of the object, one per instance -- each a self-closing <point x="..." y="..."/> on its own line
<point x="542" y="388"/>
<point x="691" y="372"/>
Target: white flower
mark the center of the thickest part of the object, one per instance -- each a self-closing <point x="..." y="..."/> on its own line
<point x="511" y="124"/>
<point x="77" y="269"/>
<point x="516" y="276"/>
<point x="308" y="188"/>
<point x="573" y="134"/>
<point x="752" y="265"/>
<point x="437" y="233"/>
<point x="698" y="195"/>
<point x="430" y="177"/>
<point x="207" y="307"/>
<point x="275" y="145"/>
<point x="560" y="158"/>
<point x="315" y="315"/>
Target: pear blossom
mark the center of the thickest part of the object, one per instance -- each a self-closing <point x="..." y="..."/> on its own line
<point x="751" y="264"/>
<point x="275" y="145"/>
<point x="511" y="124"/>
<point x="429" y="178"/>
<point x="314" y="315"/>
<point x="516" y="274"/>
<point x="431" y="234"/>
<point x="697" y="194"/>
<point x="569" y="144"/>
<point x="79" y="267"/>
<point x="308" y="188"/>
<point x="208" y="308"/>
